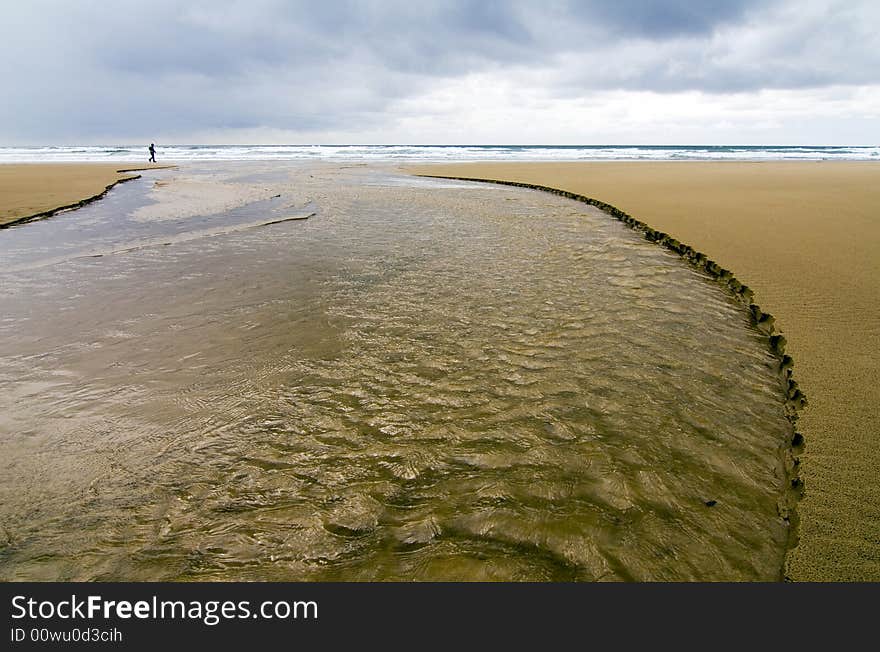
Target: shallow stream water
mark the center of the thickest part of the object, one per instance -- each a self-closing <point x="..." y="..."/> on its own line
<point x="423" y="380"/>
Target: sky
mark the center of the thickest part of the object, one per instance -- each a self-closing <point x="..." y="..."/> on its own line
<point x="424" y="72"/>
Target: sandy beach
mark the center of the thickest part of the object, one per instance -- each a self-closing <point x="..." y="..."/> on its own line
<point x="34" y="188"/>
<point x="805" y="237"/>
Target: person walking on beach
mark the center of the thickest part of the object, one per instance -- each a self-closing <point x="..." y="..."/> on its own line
<point x="152" y="152"/>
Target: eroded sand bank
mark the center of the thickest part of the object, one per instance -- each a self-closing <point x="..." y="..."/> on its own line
<point x="806" y="237"/>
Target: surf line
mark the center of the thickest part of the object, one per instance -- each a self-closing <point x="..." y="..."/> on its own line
<point x="764" y="322"/>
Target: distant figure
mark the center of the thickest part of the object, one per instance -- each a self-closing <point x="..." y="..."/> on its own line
<point x="152" y="152"/>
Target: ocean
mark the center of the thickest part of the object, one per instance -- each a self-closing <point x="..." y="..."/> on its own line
<point x="138" y="153"/>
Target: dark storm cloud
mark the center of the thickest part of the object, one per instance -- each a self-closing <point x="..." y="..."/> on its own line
<point x="428" y="37"/>
<point x="789" y="46"/>
<point x="664" y="19"/>
<point x="93" y="70"/>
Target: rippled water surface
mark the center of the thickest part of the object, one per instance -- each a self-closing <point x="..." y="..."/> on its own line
<point x="423" y="380"/>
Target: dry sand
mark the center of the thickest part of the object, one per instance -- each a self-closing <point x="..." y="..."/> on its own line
<point x="33" y="188"/>
<point x="805" y="236"/>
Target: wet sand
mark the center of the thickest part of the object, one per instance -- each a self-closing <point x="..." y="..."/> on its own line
<point x="805" y="236"/>
<point x="31" y="189"/>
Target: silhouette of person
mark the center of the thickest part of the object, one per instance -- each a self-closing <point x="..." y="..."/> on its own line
<point x="152" y="152"/>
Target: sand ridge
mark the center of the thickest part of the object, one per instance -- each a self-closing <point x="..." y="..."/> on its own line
<point x="806" y="237"/>
<point x="180" y="197"/>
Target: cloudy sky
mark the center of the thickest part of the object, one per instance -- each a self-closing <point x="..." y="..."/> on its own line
<point x="419" y="71"/>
